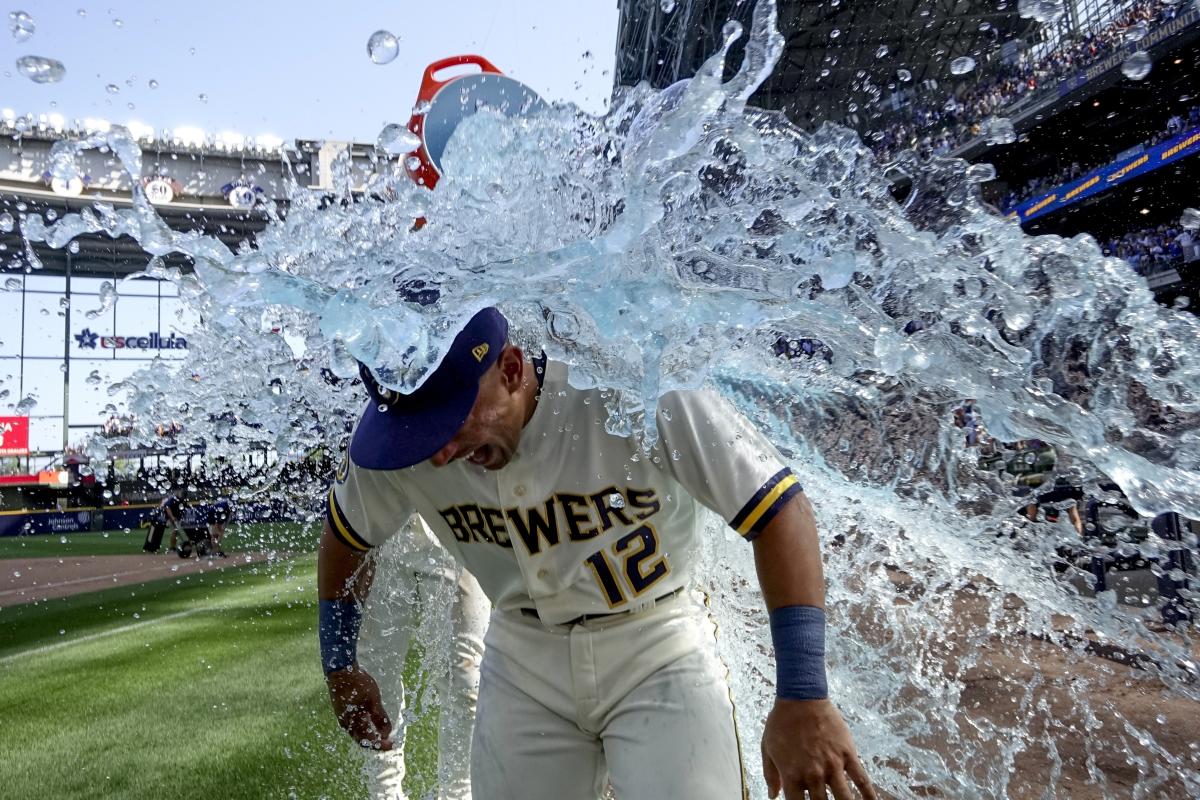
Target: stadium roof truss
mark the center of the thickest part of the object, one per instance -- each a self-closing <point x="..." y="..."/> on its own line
<point x="833" y="56"/>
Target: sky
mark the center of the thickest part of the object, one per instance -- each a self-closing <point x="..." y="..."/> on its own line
<point x="297" y="70"/>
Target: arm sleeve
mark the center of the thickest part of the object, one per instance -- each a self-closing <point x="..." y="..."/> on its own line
<point x="723" y="461"/>
<point x="364" y="506"/>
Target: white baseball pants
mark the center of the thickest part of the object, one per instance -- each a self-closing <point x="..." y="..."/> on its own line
<point x="640" y="700"/>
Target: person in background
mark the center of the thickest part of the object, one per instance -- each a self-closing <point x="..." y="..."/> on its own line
<point x="219" y="514"/>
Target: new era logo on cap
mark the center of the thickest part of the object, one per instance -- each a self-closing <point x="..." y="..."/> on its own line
<point x="398" y="430"/>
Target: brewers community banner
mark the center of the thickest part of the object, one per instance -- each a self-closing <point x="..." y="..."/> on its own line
<point x="1116" y="173"/>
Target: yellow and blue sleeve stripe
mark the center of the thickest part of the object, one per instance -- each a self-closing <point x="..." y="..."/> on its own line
<point x="766" y="503"/>
<point x="341" y="526"/>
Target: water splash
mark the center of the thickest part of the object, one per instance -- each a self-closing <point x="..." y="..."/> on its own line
<point x="41" y="69"/>
<point x="672" y="243"/>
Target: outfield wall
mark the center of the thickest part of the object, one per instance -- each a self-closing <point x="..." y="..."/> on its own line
<point x="77" y="520"/>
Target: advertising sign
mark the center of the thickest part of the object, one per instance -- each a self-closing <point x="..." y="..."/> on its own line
<point x="1116" y="173"/>
<point x="14" y="436"/>
<point x="88" y="339"/>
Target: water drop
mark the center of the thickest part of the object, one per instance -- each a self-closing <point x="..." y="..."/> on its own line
<point x="117" y="23"/>
<point x="999" y="130"/>
<point x="616" y="500"/>
<point x="6" y="222"/>
<point x="93" y="378"/>
<point x="422" y="107"/>
<point x="153" y="84"/>
<point x="1189" y="220"/>
<point x="383" y="47"/>
<point x="904" y="75"/>
<point x="667" y="6"/>
<point x="881" y="51"/>
<point x="40" y="69"/>
<point x="1137" y="66"/>
<point x="1044" y="11"/>
<point x="13" y="284"/>
<point x="73" y="248"/>
<point x="112" y="88"/>
<point x="21" y="25"/>
<point x="396" y="139"/>
<point x="962" y="65"/>
<point x="981" y="173"/>
<point x="1136" y="32"/>
<point x="202" y="97"/>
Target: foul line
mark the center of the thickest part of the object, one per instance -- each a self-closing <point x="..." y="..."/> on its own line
<point x="100" y="634"/>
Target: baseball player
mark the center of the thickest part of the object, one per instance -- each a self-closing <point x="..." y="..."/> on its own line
<point x="599" y="661"/>
<point x="411" y="575"/>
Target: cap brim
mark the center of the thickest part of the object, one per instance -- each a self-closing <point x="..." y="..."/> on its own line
<point x="393" y="439"/>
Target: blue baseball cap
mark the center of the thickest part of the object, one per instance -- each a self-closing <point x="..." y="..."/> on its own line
<point x="400" y="430"/>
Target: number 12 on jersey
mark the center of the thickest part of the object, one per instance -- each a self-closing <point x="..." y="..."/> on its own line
<point x="634" y="557"/>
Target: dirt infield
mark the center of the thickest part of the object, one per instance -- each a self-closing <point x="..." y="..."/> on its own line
<point x="26" y="580"/>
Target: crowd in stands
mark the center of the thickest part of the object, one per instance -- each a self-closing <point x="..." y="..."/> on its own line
<point x="1154" y="249"/>
<point x="1175" y="125"/>
<point x="939" y="128"/>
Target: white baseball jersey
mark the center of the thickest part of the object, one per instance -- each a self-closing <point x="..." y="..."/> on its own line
<point x="580" y="521"/>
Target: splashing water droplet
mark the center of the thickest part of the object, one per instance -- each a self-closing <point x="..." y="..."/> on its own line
<point x="93" y="378"/>
<point x="616" y="500"/>
<point x="881" y="51"/>
<point x="202" y="97"/>
<point x="904" y="75"/>
<point x="13" y="284"/>
<point x="153" y="84"/>
<point x="999" y="130"/>
<point x="1044" y="11"/>
<point x="421" y="107"/>
<point x="40" y="69"/>
<point x="383" y="47"/>
<point x="396" y="139"/>
<point x="667" y="6"/>
<point x="21" y="25"/>
<point x="962" y="65"/>
<point x="117" y="23"/>
<point x="1136" y="33"/>
<point x="1137" y="66"/>
<point x="112" y="88"/>
<point x="981" y="173"/>
<point x="6" y="222"/>
<point x="1190" y="219"/>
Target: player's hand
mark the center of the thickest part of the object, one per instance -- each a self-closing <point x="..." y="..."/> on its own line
<point x="359" y="709"/>
<point x="807" y="746"/>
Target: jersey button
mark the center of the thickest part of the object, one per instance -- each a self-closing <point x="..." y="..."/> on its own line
<point x="519" y="490"/>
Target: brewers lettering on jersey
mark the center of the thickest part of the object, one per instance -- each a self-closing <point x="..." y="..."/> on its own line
<point x="600" y="663"/>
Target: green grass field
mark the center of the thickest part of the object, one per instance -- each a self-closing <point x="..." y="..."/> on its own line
<point x="201" y="686"/>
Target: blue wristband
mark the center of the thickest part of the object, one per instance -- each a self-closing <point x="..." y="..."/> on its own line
<point x="337" y="625"/>
<point x="799" y="636"/>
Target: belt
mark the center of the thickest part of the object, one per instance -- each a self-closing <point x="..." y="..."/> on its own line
<point x="582" y="618"/>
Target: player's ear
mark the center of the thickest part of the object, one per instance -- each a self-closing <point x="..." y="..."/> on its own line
<point x="511" y="365"/>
